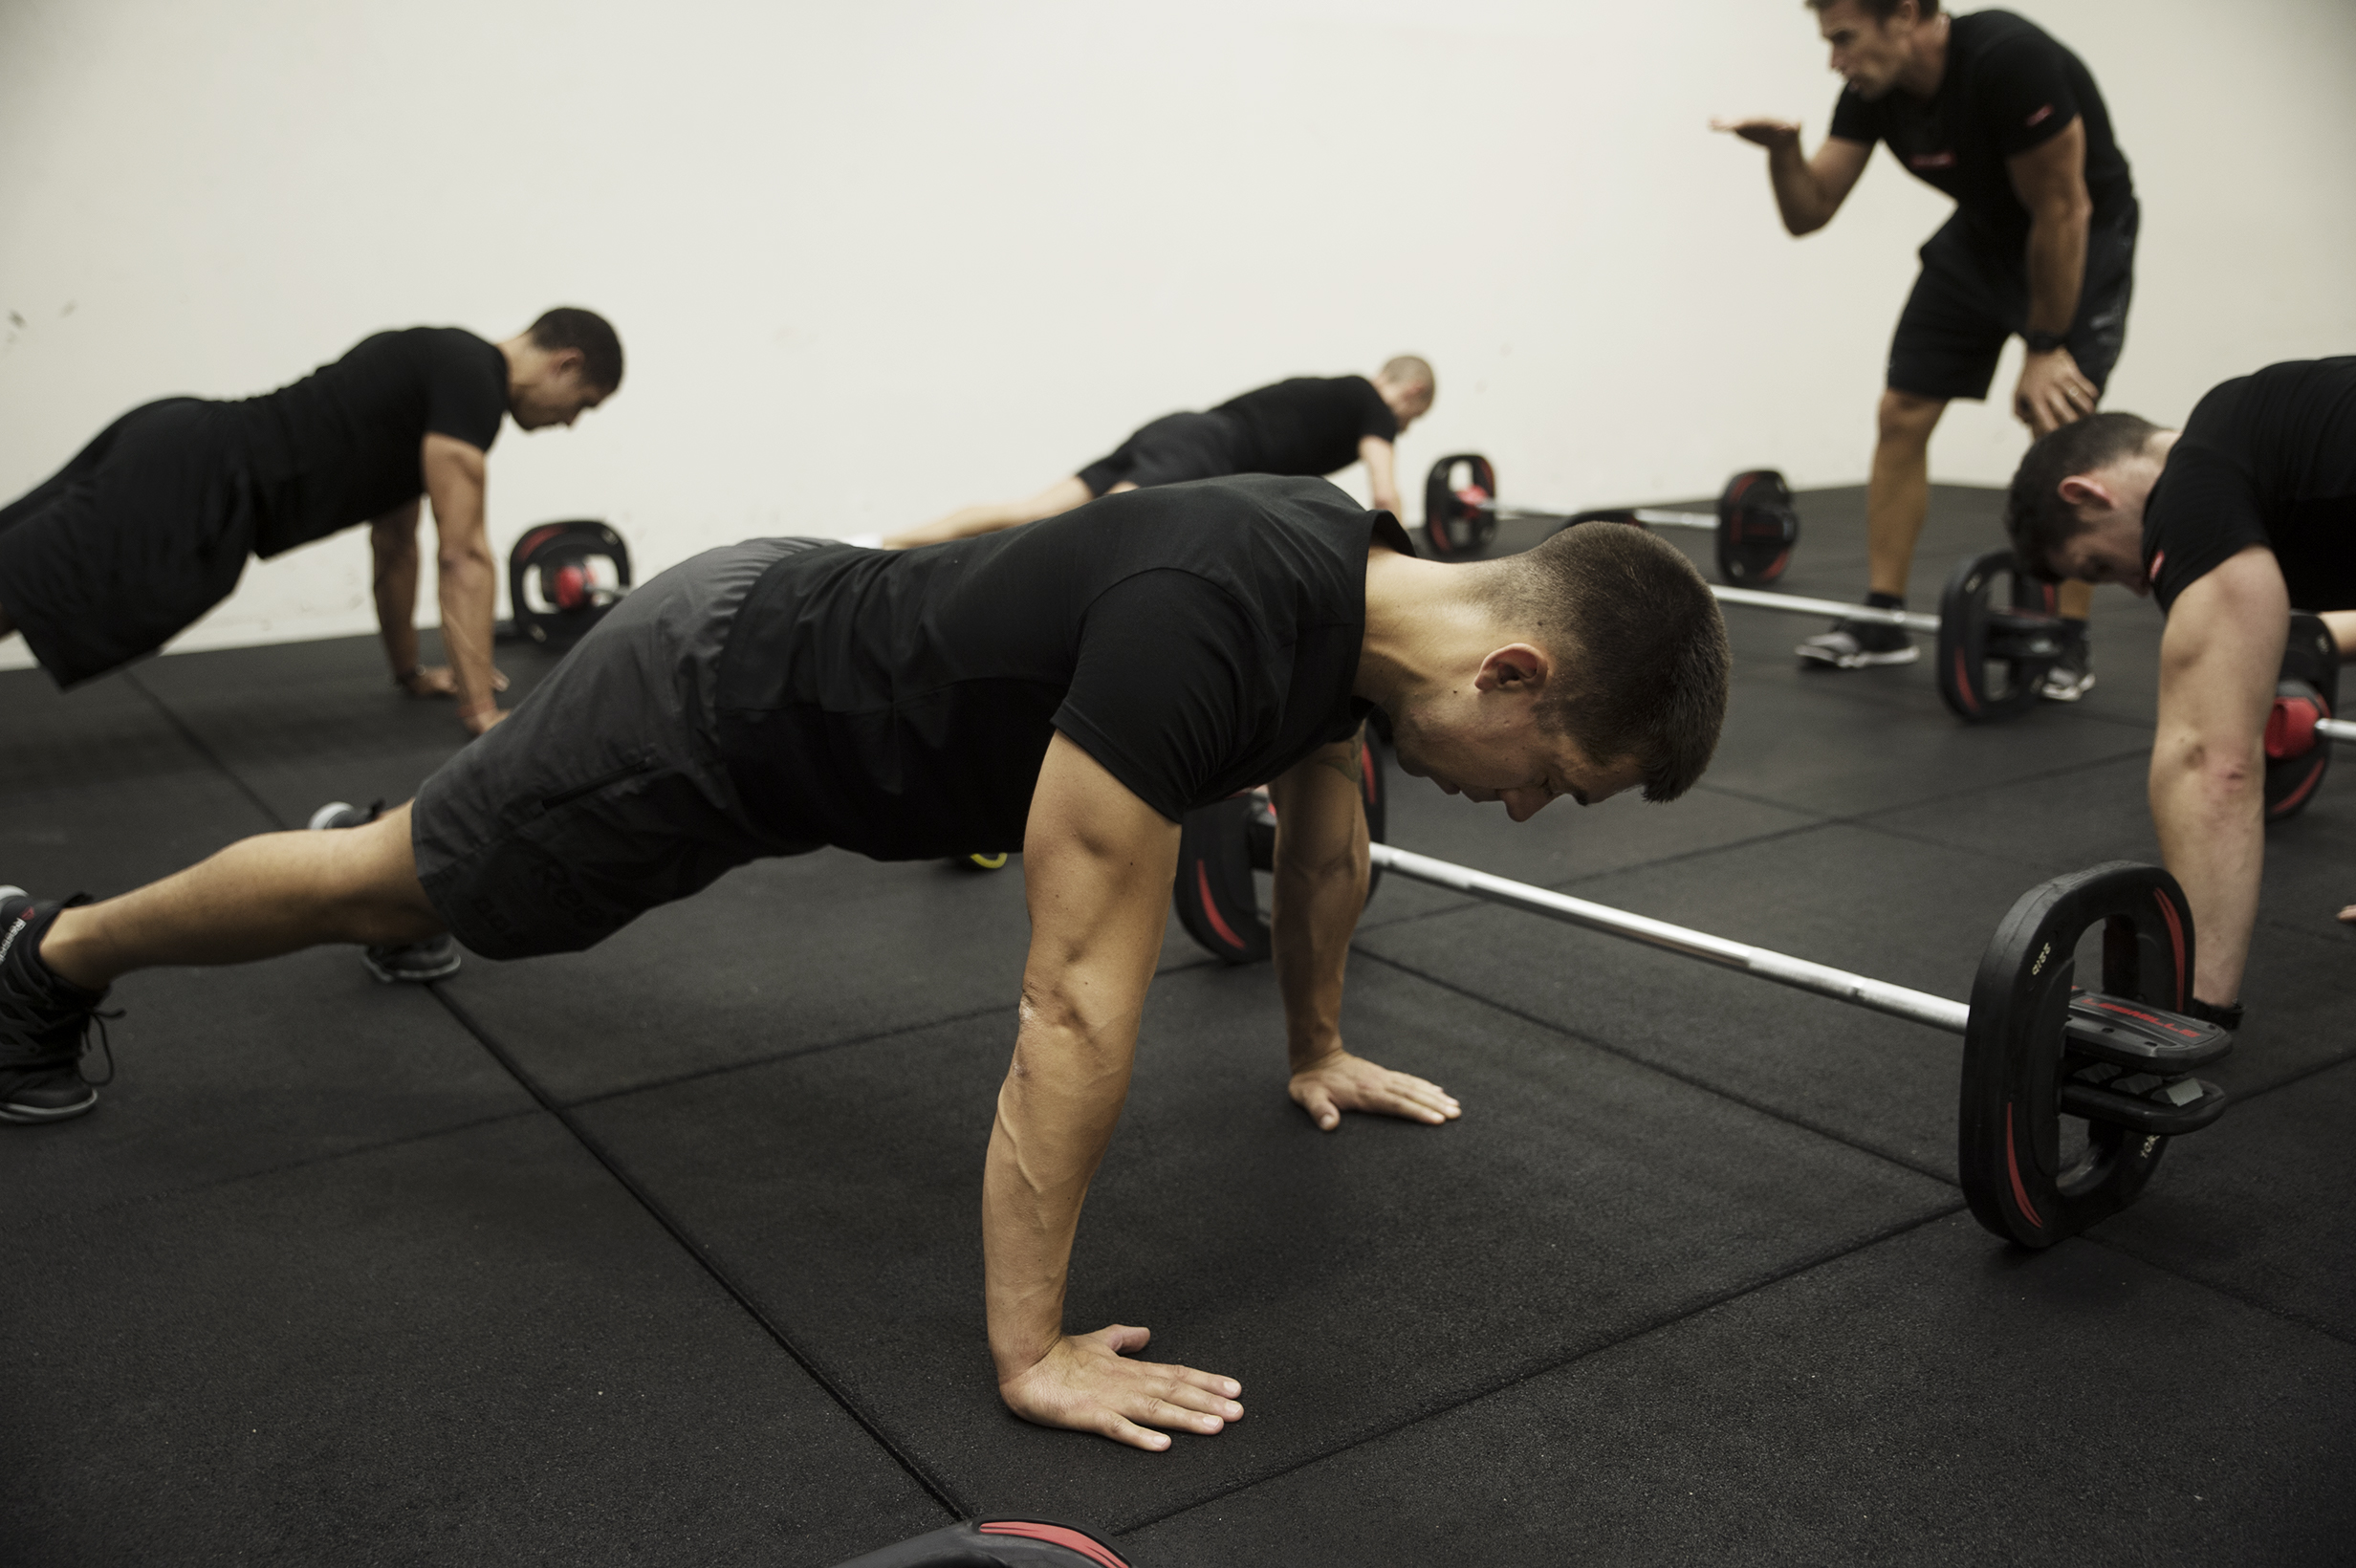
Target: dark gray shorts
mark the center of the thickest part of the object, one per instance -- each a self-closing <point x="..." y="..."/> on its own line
<point x="603" y="795"/>
<point x="1967" y="304"/>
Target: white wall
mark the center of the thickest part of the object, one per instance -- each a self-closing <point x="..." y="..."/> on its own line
<point x="871" y="261"/>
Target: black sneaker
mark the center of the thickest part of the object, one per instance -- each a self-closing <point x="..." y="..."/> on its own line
<point x="44" y="1020"/>
<point x="412" y="963"/>
<point x="2072" y="675"/>
<point x="1855" y="644"/>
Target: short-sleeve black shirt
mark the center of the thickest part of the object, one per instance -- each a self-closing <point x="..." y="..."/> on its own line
<point x="1310" y="425"/>
<point x="2268" y="459"/>
<point x="2008" y="88"/>
<point x="345" y="443"/>
<point x="1195" y="638"/>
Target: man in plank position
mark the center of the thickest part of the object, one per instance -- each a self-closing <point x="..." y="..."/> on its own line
<point x="1076" y="688"/>
<point x="1310" y="425"/>
<point x="2244" y="514"/>
<point x="150" y="524"/>
<point x="1994" y="113"/>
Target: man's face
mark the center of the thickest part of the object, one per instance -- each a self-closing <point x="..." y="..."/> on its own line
<point x="559" y="395"/>
<point x="2110" y="548"/>
<point x="1406" y="403"/>
<point x="1487" y="744"/>
<point x="1867" y="53"/>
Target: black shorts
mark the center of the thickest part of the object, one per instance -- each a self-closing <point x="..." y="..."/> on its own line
<point x="1172" y="449"/>
<point x="604" y="793"/>
<point x="143" y="531"/>
<point x="1967" y="301"/>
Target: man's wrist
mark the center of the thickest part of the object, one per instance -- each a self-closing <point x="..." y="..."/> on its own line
<point x="405" y="679"/>
<point x="2045" y="342"/>
<point x="2227" y="1018"/>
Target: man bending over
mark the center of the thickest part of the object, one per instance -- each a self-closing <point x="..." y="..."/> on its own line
<point x="1310" y="425"/>
<point x="150" y="524"/>
<point x="2246" y="514"/>
<point x="1074" y="689"/>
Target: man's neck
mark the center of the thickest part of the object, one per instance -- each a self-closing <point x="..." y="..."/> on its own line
<point x="1924" y="72"/>
<point x="1424" y="621"/>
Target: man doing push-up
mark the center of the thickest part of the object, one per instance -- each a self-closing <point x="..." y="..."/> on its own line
<point x="1074" y="689"/>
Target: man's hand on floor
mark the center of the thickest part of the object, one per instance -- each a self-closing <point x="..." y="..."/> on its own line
<point x="1088" y="1384"/>
<point x="1340" y="1082"/>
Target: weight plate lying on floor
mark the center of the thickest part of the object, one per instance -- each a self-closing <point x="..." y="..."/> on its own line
<point x="2035" y="1048"/>
<point x="998" y="1543"/>
<point x="2309" y="689"/>
<point x="1220" y="846"/>
<point x="1993" y="658"/>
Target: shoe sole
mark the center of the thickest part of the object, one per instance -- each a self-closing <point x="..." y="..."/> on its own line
<point x="36" y="1114"/>
<point x="409" y="977"/>
<point x="1857" y="661"/>
<point x="2066" y="695"/>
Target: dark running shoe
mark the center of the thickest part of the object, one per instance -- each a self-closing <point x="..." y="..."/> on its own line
<point x="413" y="962"/>
<point x="1856" y="644"/>
<point x="2072" y="675"/>
<point x="44" y="1020"/>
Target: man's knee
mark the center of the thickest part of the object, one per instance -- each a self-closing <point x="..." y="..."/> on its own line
<point x="374" y="882"/>
<point x="1908" y="418"/>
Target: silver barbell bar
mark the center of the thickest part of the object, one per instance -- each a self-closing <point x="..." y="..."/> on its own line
<point x="1880" y="995"/>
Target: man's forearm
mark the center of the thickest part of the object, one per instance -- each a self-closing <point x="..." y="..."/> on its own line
<point x="2211" y="819"/>
<point x="1798" y="198"/>
<point x="1055" y="1116"/>
<point x="1315" y="915"/>
<point x="2056" y="260"/>
<point x="470" y="589"/>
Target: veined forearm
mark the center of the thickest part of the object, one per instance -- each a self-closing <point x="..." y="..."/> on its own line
<point x="2211" y="821"/>
<point x="1315" y="915"/>
<point x="1798" y="197"/>
<point x="2057" y="266"/>
<point x="468" y="583"/>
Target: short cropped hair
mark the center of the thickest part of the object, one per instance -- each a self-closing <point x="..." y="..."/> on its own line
<point x="1883" y="9"/>
<point x="569" y="326"/>
<point x="2038" y="521"/>
<point x="1411" y="370"/>
<point x="1638" y="648"/>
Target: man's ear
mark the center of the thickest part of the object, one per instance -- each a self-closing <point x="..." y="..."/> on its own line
<point x="1516" y="667"/>
<point x="2083" y="489"/>
<point x="566" y="361"/>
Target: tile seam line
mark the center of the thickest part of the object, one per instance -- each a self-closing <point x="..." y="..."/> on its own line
<point x="198" y="743"/>
<point x="1530" y="1373"/>
<point x="1714" y="1091"/>
<point x="2280" y="1314"/>
<point x="934" y="1487"/>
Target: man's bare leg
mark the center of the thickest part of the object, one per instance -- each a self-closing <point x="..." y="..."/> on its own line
<point x="276" y="893"/>
<point x="969" y="521"/>
<point x="1898" y="495"/>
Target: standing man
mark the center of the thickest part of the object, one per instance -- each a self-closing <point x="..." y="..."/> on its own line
<point x="2246" y="514"/>
<point x="150" y="524"/>
<point x="1993" y="112"/>
<point x="1307" y="425"/>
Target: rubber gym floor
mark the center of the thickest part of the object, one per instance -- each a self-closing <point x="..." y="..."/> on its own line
<point x="667" y="1252"/>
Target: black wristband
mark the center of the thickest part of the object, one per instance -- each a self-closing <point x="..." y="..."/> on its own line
<point x="2227" y="1018"/>
<point x="2045" y="342"/>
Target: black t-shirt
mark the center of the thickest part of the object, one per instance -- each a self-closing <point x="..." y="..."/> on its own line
<point x="2266" y="459"/>
<point x="1195" y="638"/>
<point x="344" y="444"/>
<point x="1310" y="425"/>
<point x="2008" y="88"/>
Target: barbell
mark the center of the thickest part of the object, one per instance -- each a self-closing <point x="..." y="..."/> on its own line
<point x="2037" y="1048"/>
<point x="2301" y="723"/>
<point x="1756" y="526"/>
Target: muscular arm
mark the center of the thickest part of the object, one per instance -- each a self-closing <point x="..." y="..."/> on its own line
<point x="1320" y="886"/>
<point x="2219" y="659"/>
<point x="1380" y="457"/>
<point x="1809" y="190"/>
<point x="467" y="576"/>
<point x="1097" y="868"/>
<point x="392" y="544"/>
<point x="2051" y="181"/>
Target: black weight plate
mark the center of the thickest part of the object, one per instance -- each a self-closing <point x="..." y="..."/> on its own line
<point x="1455" y="521"/>
<point x="532" y="569"/>
<point x="1758" y="529"/>
<point x="1992" y="658"/>
<point x="2310" y="661"/>
<point x="998" y="1543"/>
<point x="2020" y="1077"/>
<point x="1220" y="846"/>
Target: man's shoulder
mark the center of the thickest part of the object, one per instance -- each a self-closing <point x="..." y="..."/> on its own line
<point x="1997" y="39"/>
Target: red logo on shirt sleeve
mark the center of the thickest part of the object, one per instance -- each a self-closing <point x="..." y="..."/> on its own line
<point x="2153" y="575"/>
<point x="2041" y="113"/>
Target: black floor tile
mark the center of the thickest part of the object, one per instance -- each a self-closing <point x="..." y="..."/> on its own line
<point x="1350" y="1281"/>
<point x="1936" y="1398"/>
<point x="468" y="1349"/>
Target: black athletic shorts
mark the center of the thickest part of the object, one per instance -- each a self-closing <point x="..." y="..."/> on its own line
<point x="1172" y="449"/>
<point x="1967" y="302"/>
<point x="143" y="531"/>
<point x="603" y="795"/>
